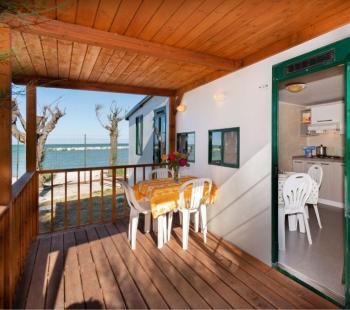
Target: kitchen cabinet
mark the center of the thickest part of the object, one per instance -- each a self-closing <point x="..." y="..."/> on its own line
<point x="327" y="113"/>
<point x="332" y="187"/>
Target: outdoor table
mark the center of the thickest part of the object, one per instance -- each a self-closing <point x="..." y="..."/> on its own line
<point x="163" y="195"/>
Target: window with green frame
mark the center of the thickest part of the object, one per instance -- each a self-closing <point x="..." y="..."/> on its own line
<point x="139" y="135"/>
<point x="186" y="144"/>
<point x="224" y="147"/>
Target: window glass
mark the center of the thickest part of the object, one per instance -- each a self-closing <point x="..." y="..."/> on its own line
<point x="230" y="147"/>
<point x="186" y="144"/>
<point x="216" y="147"/>
<point x="139" y="135"/>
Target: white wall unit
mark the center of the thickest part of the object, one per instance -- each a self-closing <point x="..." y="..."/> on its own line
<point x="242" y="212"/>
<point x="328" y="116"/>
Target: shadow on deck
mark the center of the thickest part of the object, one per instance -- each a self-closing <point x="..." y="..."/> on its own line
<point x="94" y="267"/>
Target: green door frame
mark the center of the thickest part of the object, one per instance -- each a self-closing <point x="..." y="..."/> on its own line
<point x="341" y="52"/>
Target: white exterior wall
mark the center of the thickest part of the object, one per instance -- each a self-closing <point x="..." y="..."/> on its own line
<point x="148" y="113"/>
<point x="242" y="214"/>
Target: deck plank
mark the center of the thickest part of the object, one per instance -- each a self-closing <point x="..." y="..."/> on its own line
<point x="112" y="295"/>
<point x="94" y="267"/>
<point x="90" y="283"/>
<point x="132" y="296"/>
<point x="73" y="290"/>
<point x="55" y="287"/>
<point x="164" y="286"/>
<point x="147" y="288"/>
<point x="37" y="291"/>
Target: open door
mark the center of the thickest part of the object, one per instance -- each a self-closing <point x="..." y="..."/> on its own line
<point x="331" y="58"/>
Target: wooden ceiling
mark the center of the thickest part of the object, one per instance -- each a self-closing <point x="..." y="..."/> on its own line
<point x="158" y="46"/>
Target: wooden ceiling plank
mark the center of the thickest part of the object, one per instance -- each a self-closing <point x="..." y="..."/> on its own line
<point x="165" y="12"/>
<point x="34" y="47"/>
<point x="93" y="86"/>
<point x="66" y="10"/>
<point x="139" y="80"/>
<point x="15" y="66"/>
<point x="112" y="65"/>
<point x="47" y="8"/>
<point x="89" y="62"/>
<point x="132" y="67"/>
<point x="105" y="39"/>
<point x="125" y="14"/>
<point x="64" y="51"/>
<point x="106" y="13"/>
<point x="211" y="20"/>
<point x="175" y="21"/>
<point x="78" y="56"/>
<point x="193" y="20"/>
<point x="124" y="63"/>
<point x="144" y="67"/>
<point x="143" y="15"/>
<point x="20" y="50"/>
<point x="86" y="12"/>
<point x="101" y="62"/>
<point x="50" y="55"/>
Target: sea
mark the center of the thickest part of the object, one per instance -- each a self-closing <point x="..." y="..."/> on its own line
<point x="61" y="156"/>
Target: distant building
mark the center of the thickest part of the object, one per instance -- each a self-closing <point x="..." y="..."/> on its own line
<point x="148" y="130"/>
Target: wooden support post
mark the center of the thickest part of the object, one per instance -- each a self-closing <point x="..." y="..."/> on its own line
<point x="172" y="124"/>
<point x="6" y="161"/>
<point x="5" y="117"/>
<point x="31" y="128"/>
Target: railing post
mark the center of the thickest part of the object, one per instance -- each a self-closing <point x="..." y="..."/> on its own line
<point x="5" y="154"/>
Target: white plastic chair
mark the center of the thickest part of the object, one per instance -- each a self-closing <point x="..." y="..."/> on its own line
<point x="136" y="207"/>
<point x="316" y="173"/>
<point x="161" y="173"/>
<point x="296" y="191"/>
<point x="197" y="205"/>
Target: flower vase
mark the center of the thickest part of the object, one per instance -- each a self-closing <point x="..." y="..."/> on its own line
<point x="176" y="175"/>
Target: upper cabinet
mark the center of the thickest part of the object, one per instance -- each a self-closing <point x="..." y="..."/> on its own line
<point x="327" y="117"/>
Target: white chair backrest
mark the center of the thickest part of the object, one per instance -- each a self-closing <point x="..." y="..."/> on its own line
<point x="296" y="190"/>
<point x="316" y="173"/>
<point x="196" y="194"/>
<point x="130" y="195"/>
<point x="161" y="173"/>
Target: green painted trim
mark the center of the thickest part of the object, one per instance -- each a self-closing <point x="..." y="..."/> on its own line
<point x="341" y="49"/>
<point x="342" y="57"/>
<point x="308" y="286"/>
<point x="139" y="135"/>
<point x="210" y="147"/>
<point x="187" y="133"/>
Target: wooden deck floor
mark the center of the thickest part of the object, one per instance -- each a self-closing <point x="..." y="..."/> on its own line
<point x="94" y="267"/>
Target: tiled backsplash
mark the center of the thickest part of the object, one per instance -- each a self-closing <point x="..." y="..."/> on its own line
<point x="333" y="141"/>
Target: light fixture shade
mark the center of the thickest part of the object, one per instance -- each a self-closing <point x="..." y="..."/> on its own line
<point x="295" y="87"/>
<point x="181" y="107"/>
<point x="219" y="96"/>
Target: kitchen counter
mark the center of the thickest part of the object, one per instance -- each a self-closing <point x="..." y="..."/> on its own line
<point x="334" y="160"/>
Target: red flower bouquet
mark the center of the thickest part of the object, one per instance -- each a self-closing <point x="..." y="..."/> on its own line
<point x="176" y="160"/>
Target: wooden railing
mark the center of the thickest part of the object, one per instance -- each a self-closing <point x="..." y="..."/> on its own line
<point x="82" y="196"/>
<point x="18" y="227"/>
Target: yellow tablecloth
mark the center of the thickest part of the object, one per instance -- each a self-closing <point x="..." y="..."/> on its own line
<point x="163" y="194"/>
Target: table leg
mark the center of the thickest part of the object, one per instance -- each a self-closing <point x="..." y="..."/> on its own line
<point x="160" y="230"/>
<point x="281" y="229"/>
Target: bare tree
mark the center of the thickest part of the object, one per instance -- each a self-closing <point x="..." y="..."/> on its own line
<point x="45" y="124"/>
<point x="114" y="116"/>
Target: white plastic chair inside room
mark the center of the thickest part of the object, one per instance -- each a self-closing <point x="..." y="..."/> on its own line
<point x="316" y="173"/>
<point x="136" y="207"/>
<point x="161" y="173"/>
<point x="296" y="191"/>
<point x="196" y="205"/>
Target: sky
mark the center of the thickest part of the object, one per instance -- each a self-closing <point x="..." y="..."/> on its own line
<point x="80" y="115"/>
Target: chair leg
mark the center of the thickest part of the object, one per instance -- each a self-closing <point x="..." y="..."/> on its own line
<point x="160" y="233"/>
<point x="196" y="221"/>
<point x="147" y="224"/>
<point x="281" y="229"/>
<point x="203" y="217"/>
<point x="134" y="223"/>
<point x="155" y="225"/>
<point x="180" y="218"/>
<point x="185" y="228"/>
<point x="308" y="233"/>
<point x="170" y="222"/>
<point x="301" y="222"/>
<point x="317" y="216"/>
<point x="307" y="210"/>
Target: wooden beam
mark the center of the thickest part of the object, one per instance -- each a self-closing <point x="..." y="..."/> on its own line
<point x="93" y="86"/>
<point x="76" y="33"/>
<point x="172" y="124"/>
<point x="5" y="117"/>
<point x="31" y="139"/>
